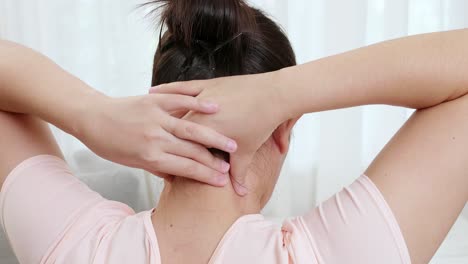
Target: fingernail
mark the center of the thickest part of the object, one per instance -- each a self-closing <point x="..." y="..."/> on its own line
<point x="225" y="166"/>
<point x="231" y="146"/>
<point x="210" y="106"/>
<point x="241" y="190"/>
<point x="221" y="179"/>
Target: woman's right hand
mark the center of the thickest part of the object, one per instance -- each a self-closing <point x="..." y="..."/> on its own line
<point x="140" y="132"/>
<point x="250" y="110"/>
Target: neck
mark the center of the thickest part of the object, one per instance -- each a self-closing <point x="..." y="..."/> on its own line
<point x="191" y="218"/>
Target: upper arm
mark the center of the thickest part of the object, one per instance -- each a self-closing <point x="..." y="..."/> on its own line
<point x="422" y="173"/>
<point x="356" y="225"/>
<point x="418" y="186"/>
<point x="22" y="137"/>
<point x="42" y="202"/>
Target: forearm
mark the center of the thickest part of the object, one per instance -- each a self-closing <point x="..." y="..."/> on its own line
<point x="416" y="72"/>
<point x="30" y="83"/>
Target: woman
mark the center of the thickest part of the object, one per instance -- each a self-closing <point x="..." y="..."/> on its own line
<point x="421" y="173"/>
<point x="197" y="223"/>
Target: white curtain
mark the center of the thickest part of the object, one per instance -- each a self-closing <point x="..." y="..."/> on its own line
<point x="110" y="44"/>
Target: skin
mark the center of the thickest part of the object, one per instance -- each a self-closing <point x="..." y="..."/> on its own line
<point x="148" y="136"/>
<point x="190" y="211"/>
<point x="422" y="172"/>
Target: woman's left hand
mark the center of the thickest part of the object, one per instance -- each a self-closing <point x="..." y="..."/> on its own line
<point x="140" y="132"/>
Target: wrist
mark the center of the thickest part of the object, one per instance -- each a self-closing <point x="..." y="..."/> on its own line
<point x="270" y="99"/>
<point x="83" y="112"/>
<point x="280" y="100"/>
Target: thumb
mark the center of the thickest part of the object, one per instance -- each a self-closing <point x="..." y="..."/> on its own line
<point x="239" y="167"/>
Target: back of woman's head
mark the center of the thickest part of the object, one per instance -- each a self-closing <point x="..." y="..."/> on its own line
<point x="214" y="38"/>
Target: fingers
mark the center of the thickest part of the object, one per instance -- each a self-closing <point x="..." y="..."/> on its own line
<point x="198" y="153"/>
<point x="187" y="168"/>
<point x="240" y="165"/>
<point x="192" y="88"/>
<point x="173" y="103"/>
<point x="200" y="134"/>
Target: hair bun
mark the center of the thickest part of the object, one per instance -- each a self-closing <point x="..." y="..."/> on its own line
<point x="208" y="21"/>
<point x="207" y="39"/>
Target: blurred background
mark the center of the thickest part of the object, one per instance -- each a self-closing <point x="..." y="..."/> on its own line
<point x="110" y="45"/>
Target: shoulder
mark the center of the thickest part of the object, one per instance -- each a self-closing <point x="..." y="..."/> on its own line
<point x="118" y="241"/>
<point x="299" y="242"/>
<point x="251" y="238"/>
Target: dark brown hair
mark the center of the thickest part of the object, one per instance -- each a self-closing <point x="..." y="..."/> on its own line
<point x="214" y="38"/>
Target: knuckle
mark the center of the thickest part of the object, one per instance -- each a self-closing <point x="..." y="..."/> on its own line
<point x="171" y="125"/>
<point x="186" y="102"/>
<point x="151" y="135"/>
<point x="197" y="100"/>
<point x="205" y="158"/>
<point x="194" y="103"/>
<point x="149" y="156"/>
<point x="191" y="170"/>
<point x="190" y="131"/>
<point x="156" y="161"/>
<point x="147" y="135"/>
<point x="152" y="157"/>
